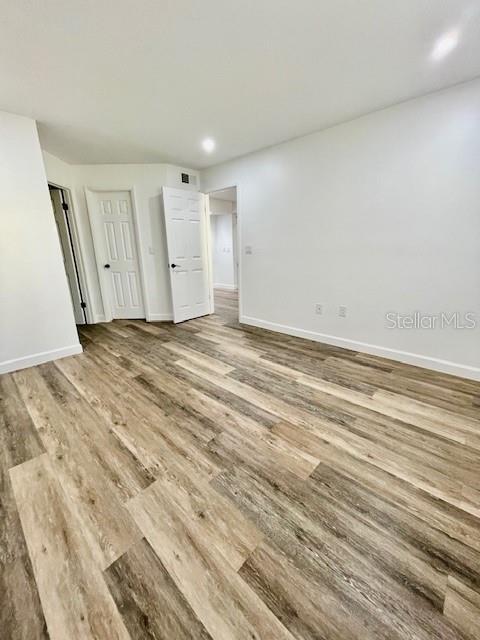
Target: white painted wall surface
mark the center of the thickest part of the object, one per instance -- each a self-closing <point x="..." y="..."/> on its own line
<point x="379" y="214"/>
<point x="222" y="251"/>
<point x="147" y="181"/>
<point x="218" y="206"/>
<point x="36" y="317"/>
<point x="58" y="172"/>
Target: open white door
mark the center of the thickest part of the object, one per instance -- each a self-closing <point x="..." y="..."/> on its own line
<point x="187" y="253"/>
<point x="69" y="260"/>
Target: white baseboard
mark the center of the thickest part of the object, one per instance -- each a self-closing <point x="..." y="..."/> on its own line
<point x="99" y="317"/>
<point x="443" y="366"/>
<point x="152" y="317"/>
<point x="226" y="287"/>
<point x="39" y="358"/>
<point x="160" y="317"/>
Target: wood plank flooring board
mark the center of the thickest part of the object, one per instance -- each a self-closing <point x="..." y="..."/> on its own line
<point x="99" y="335"/>
<point x="212" y="415"/>
<point x="268" y="454"/>
<point x="361" y="406"/>
<point x="151" y="605"/>
<point x="222" y="334"/>
<point x="176" y="406"/>
<point x="462" y="607"/>
<point x="454" y="460"/>
<point x="146" y="327"/>
<point x="153" y="362"/>
<point x="21" y="616"/>
<point x="133" y="387"/>
<point x="218" y="481"/>
<point x="308" y="612"/>
<point x="451" y="456"/>
<point x="438" y="515"/>
<point x="106" y="361"/>
<point x="320" y="430"/>
<point x="316" y="437"/>
<point x="260" y="399"/>
<point x="298" y="354"/>
<point x="75" y="599"/>
<point x="341" y="419"/>
<point x="222" y="601"/>
<point x="142" y="428"/>
<point x="328" y="561"/>
<point x="408" y="371"/>
<point x="424" y="391"/>
<point x="98" y="508"/>
<point x="236" y="355"/>
<point x="126" y="474"/>
<point x="195" y="356"/>
<point x="380" y="404"/>
<point x="194" y="377"/>
<point x="422" y="555"/>
<point x="217" y="519"/>
<point x="293" y="394"/>
<point x="422" y="409"/>
<point x="429" y="444"/>
<point x="224" y="353"/>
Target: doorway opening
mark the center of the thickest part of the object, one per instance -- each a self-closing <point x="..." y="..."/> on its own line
<point x="69" y="244"/>
<point x="224" y="255"/>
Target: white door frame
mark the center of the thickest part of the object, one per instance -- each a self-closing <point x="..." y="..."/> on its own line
<point x="98" y="246"/>
<point x="77" y="249"/>
<point x="221" y="187"/>
<point x="208" y="242"/>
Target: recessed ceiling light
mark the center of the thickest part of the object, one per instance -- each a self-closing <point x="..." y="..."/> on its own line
<point x="445" y="45"/>
<point x="208" y="145"/>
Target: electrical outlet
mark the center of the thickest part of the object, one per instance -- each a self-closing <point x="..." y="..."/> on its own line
<point x="342" y="311"/>
<point x="248" y="250"/>
<point x="319" y="309"/>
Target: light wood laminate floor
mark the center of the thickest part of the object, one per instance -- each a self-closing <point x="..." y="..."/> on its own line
<point x="216" y="481"/>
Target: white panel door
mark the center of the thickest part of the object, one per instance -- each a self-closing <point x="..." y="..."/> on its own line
<point x="114" y="221"/>
<point x="187" y="253"/>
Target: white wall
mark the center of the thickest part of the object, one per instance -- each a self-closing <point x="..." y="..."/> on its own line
<point x="218" y="205"/>
<point x="147" y="181"/>
<point x="222" y="251"/>
<point x="379" y="214"/>
<point x="36" y="317"/>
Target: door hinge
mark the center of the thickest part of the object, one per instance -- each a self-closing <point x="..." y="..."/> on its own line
<point x="64" y="206"/>
<point x="83" y="305"/>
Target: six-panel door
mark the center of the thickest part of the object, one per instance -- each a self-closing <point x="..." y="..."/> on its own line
<point x="121" y="266"/>
<point x="187" y="254"/>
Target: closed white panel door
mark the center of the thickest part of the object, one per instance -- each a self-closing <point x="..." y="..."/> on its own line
<point x="187" y="253"/>
<point x="114" y="221"/>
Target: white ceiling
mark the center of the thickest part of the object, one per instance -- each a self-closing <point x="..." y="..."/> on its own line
<point x="147" y="80"/>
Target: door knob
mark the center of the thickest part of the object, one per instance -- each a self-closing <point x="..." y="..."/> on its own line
<point x="106" y="266"/>
<point x="173" y="265"/>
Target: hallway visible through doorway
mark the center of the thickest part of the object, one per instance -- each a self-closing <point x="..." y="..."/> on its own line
<point x="223" y="229"/>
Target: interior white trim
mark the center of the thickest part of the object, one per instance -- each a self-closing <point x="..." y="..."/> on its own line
<point x="160" y="317"/>
<point x="443" y="366"/>
<point x="39" y="358"/>
<point x="226" y="287"/>
<point x="97" y="246"/>
<point x="209" y="248"/>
